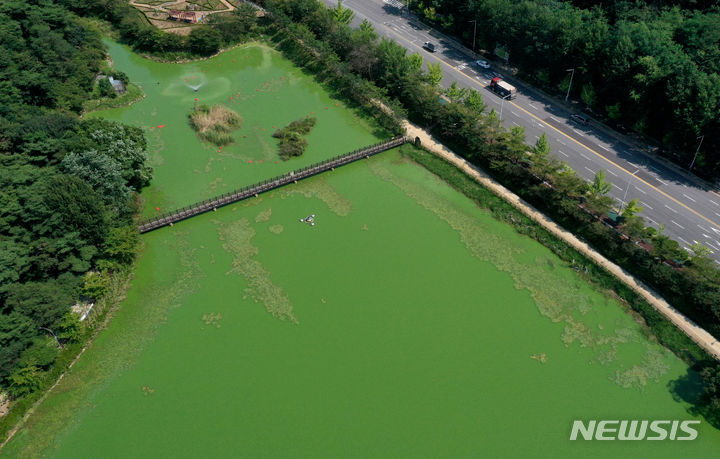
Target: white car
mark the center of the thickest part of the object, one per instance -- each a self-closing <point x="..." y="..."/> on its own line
<point x="483" y="64"/>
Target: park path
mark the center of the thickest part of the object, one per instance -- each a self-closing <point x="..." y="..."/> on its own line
<point x="163" y="7"/>
<point x="698" y="334"/>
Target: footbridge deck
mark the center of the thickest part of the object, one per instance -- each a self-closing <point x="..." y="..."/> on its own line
<point x="177" y="215"/>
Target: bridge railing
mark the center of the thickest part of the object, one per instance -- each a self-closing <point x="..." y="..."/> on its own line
<point x="206" y="205"/>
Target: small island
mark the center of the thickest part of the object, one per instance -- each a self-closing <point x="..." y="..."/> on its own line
<point x="215" y="124"/>
<point x="292" y="143"/>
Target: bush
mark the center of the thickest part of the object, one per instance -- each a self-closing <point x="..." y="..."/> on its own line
<point x="25" y="380"/>
<point x="121" y="244"/>
<point x="105" y="89"/>
<point x="41" y="353"/>
<point x="292" y="143"/>
<point x="204" y="41"/>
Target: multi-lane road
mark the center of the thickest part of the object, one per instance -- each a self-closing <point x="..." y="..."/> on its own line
<point x="689" y="210"/>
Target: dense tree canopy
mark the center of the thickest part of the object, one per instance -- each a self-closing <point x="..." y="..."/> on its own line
<point x="48" y="60"/>
<point x="66" y="185"/>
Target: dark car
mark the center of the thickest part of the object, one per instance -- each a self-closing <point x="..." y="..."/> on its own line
<point x="429" y="46"/>
<point x="580" y="119"/>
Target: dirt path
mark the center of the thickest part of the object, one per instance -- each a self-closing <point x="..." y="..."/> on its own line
<point x="163" y="7"/>
<point x="699" y="335"/>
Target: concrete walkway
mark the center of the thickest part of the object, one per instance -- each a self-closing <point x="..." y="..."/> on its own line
<point x="698" y="334"/>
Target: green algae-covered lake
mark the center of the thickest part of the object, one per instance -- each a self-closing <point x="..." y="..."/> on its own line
<point x="406" y="323"/>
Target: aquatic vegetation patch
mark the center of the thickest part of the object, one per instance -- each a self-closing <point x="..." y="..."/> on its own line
<point x="147" y="390"/>
<point x="212" y="319"/>
<point x="576" y="331"/>
<point x="215" y="124"/>
<point x="292" y="143"/>
<point x="263" y="216"/>
<point x="321" y="189"/>
<point x="276" y="229"/>
<point x="556" y="298"/>
<point x="652" y="368"/>
<point x="237" y="240"/>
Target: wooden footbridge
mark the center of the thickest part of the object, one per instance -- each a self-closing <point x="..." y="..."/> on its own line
<point x="177" y="215"/>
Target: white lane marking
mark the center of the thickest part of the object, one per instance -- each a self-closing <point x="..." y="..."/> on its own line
<point x="563" y="153"/>
<point x="704" y="229"/>
<point x="515" y="123"/>
<point x="689" y="197"/>
<point x="533" y="106"/>
<point x="651" y="220"/>
<point x="678" y="224"/>
<point x="664" y="183"/>
<point x="584" y="156"/>
<point x="707" y="243"/>
<point x="617" y="187"/>
<point x="579" y="133"/>
<point x="714" y="202"/>
<point x="514" y="113"/>
<point x="644" y="204"/>
<point x="589" y="169"/>
<point x="604" y="147"/>
<point x="612" y="173"/>
<point x="670" y="208"/>
<point x="554" y="119"/>
<point x="717" y="214"/>
<point x="686" y="242"/>
<point x="711" y="246"/>
<point x="560" y="141"/>
<point x="640" y="190"/>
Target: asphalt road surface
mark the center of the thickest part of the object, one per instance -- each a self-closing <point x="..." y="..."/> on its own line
<point x="689" y="211"/>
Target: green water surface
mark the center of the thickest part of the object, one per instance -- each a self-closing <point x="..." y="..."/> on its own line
<point x="406" y="323"/>
<point x="267" y="91"/>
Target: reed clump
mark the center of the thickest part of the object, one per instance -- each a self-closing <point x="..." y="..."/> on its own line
<point x="215" y="124"/>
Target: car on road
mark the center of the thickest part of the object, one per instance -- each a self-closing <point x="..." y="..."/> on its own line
<point x="483" y="64"/>
<point x="429" y="46"/>
<point x="580" y="119"/>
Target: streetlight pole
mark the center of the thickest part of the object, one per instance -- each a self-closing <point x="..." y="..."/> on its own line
<point x="622" y="205"/>
<point x="474" y="33"/>
<point x="570" y="85"/>
<point x="502" y="104"/>
<point x="702" y="137"/>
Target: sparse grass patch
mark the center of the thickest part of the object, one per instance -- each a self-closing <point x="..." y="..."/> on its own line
<point x="215" y="124"/>
<point x="292" y="143"/>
